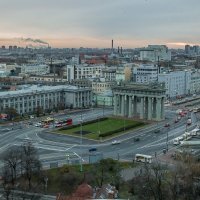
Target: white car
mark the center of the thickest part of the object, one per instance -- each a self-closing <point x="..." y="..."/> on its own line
<point x="115" y="142"/>
<point x="38" y="124"/>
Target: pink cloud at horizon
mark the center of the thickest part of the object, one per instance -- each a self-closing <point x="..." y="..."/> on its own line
<point x="91" y="42"/>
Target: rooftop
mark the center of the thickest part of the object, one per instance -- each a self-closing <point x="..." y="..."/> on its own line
<point x="37" y="89"/>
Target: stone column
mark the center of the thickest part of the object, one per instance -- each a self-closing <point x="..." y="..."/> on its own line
<point x="158" y="109"/>
<point x="146" y="107"/>
<point x="134" y="98"/>
<point x="154" y="108"/>
<point x="142" y="108"/>
<point x="115" y="104"/>
<point x="122" y="106"/>
<point x="78" y="102"/>
<point x="149" y="108"/>
<point x="125" y="105"/>
<point x="130" y="106"/>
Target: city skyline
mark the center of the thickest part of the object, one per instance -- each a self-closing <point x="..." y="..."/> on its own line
<point x="131" y="24"/>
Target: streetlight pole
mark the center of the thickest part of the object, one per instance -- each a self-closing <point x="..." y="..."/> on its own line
<point x="103" y="106"/>
<point x="81" y="142"/>
<point x="167" y="138"/>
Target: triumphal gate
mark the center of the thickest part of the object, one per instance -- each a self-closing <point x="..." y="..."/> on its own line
<point x="140" y="101"/>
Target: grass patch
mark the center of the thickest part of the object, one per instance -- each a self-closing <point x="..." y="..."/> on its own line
<point x="102" y="128"/>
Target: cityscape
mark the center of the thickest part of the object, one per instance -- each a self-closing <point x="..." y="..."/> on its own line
<point x="104" y="112"/>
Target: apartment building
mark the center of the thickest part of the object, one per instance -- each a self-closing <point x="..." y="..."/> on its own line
<point x="146" y="73"/>
<point x="155" y="53"/>
<point x="177" y="83"/>
<point x="83" y="71"/>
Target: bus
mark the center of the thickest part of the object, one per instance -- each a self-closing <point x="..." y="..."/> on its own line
<point x="143" y="158"/>
<point x="48" y="120"/>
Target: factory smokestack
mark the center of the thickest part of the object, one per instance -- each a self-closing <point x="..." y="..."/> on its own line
<point x="121" y="50"/>
<point x="118" y="50"/>
<point x="112" y="46"/>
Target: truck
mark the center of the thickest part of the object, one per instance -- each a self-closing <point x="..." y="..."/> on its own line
<point x="189" y="121"/>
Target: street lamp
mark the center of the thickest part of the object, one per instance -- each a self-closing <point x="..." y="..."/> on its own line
<point x="103" y="106"/>
<point x="167" y="139"/>
<point x="81" y="142"/>
<point x="46" y="180"/>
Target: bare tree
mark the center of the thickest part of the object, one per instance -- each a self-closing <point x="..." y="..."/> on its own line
<point x="30" y="162"/>
<point x="12" y="160"/>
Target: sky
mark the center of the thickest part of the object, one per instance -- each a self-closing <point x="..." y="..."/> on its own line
<point x="94" y="23"/>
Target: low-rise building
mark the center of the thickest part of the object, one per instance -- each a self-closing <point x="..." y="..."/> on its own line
<point x="177" y="83"/>
<point x="155" y="53"/>
<point x="34" y="69"/>
<point x="29" y="98"/>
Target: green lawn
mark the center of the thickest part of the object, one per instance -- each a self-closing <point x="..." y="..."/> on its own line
<point x="94" y="129"/>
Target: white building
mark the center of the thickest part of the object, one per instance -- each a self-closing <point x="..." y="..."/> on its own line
<point x="29" y="98"/>
<point x="195" y="83"/>
<point x="146" y="73"/>
<point x="34" y="69"/>
<point x="109" y="74"/>
<point x="155" y="53"/>
<point x="83" y="71"/>
<point x="177" y="83"/>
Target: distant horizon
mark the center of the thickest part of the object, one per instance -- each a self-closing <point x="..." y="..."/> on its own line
<point x="78" y="23"/>
<point x="58" y="43"/>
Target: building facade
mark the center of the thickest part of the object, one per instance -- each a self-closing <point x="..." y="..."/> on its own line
<point x="83" y="71"/>
<point x="139" y="101"/>
<point x="177" y="83"/>
<point x="155" y="53"/>
<point x="34" y="69"/>
<point x="146" y="73"/>
<point x="28" y="99"/>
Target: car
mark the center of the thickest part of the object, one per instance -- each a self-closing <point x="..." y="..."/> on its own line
<point x="136" y="139"/>
<point x="157" y="131"/>
<point x="46" y="126"/>
<point x="176" y="121"/>
<point x="116" y="142"/>
<point x="38" y="124"/>
<point x="167" y="125"/>
<point x="58" y="125"/>
<point x="92" y="149"/>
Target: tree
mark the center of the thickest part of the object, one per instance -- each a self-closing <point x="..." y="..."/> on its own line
<point x="107" y="171"/>
<point x="38" y="111"/>
<point x="11" y="112"/>
<point x="12" y="160"/>
<point x="30" y="163"/>
<point x="150" y="182"/>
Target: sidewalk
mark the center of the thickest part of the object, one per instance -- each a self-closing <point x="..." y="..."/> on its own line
<point x="167" y="158"/>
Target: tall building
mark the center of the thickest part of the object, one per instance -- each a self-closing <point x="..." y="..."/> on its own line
<point x="146" y="73"/>
<point x="155" y="53"/>
<point x="177" y="83"/>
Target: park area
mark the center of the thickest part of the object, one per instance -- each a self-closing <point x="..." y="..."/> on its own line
<point x="102" y="128"/>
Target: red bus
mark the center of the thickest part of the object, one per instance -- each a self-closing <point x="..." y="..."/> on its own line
<point x="68" y="121"/>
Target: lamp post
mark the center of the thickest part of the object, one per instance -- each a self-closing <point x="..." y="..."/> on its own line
<point x="167" y="139"/>
<point x="103" y="106"/>
<point x="46" y="181"/>
<point x="81" y="142"/>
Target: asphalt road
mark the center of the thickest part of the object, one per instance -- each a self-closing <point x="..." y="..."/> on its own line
<point x="65" y="149"/>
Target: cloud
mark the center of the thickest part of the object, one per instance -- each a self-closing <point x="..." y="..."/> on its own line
<point x="136" y="20"/>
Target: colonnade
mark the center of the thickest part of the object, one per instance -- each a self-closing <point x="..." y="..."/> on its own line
<point x="147" y="107"/>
